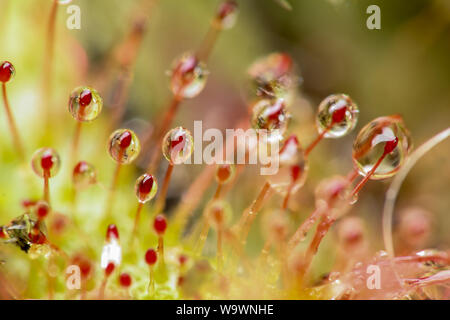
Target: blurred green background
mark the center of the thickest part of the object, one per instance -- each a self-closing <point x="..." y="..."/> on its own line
<point x="402" y="68"/>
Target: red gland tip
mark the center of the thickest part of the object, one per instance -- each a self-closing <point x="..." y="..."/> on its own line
<point x="292" y="139"/>
<point x="42" y="210"/>
<point x="146" y="184"/>
<point x="160" y="224"/>
<point x="188" y="65"/>
<point x="125" y="280"/>
<point x="224" y="172"/>
<point x="390" y="145"/>
<point x="2" y="233"/>
<point x="47" y="160"/>
<point x="6" y="71"/>
<point x="339" y="115"/>
<point x="28" y="203"/>
<point x="176" y="142"/>
<point x="112" y="232"/>
<point x="85" y="98"/>
<point x="125" y="140"/>
<point x="85" y="268"/>
<point x="276" y="110"/>
<point x="296" y="172"/>
<point x="150" y="257"/>
<point x="226" y="8"/>
<point x="109" y="269"/>
<point x="182" y="259"/>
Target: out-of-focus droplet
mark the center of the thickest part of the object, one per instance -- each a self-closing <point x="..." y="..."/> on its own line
<point x="218" y="213"/>
<point x="224" y="173"/>
<point x="337" y="116"/>
<point x="334" y="193"/>
<point x="124" y="146"/>
<point x="385" y="137"/>
<point x="275" y="225"/>
<point x="272" y="116"/>
<point x="178" y="145"/>
<point x="292" y="170"/>
<point x="84" y="175"/>
<point x="188" y="76"/>
<point x="145" y="188"/>
<point x="85" y="104"/>
<point x="27" y="233"/>
<point x="273" y="76"/>
<point x="46" y="161"/>
<point x="226" y="15"/>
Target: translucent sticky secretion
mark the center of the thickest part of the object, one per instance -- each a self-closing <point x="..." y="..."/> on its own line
<point x="178" y="145"/>
<point x="145" y="188"/>
<point x="372" y="143"/>
<point x="219" y="213"/>
<point x="274" y="76"/>
<point x="124" y="146"/>
<point x="46" y="162"/>
<point x="272" y="116"/>
<point x="85" y="104"/>
<point x="226" y="15"/>
<point x="188" y="76"/>
<point x="84" y="175"/>
<point x="292" y="168"/>
<point x="337" y="116"/>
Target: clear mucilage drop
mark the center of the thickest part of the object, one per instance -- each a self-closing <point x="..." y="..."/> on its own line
<point x="124" y="146"/>
<point x="385" y="143"/>
<point x="85" y="104"/>
<point x="188" y="76"/>
<point x="337" y="115"/>
<point x="178" y="145"/>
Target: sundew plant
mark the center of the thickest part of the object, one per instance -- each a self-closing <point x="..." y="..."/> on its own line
<point x="119" y="182"/>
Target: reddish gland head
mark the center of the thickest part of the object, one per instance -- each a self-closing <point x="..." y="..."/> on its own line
<point x="224" y="172"/>
<point x="150" y="257"/>
<point x="47" y="160"/>
<point x="187" y="66"/>
<point x="42" y="210"/>
<point x="85" y="268"/>
<point x="285" y="64"/>
<point x="109" y="269"/>
<point x="225" y="9"/>
<point x="2" y="233"/>
<point x="291" y="140"/>
<point x="28" y="203"/>
<point x="160" y="224"/>
<point x="295" y="172"/>
<point x="146" y="185"/>
<point x="125" y="140"/>
<point x="125" y="280"/>
<point x="390" y="145"/>
<point x="6" y="71"/>
<point x="275" y="111"/>
<point x="81" y="167"/>
<point x="112" y="232"/>
<point x="182" y="259"/>
<point x="178" y="143"/>
<point x="85" y="98"/>
<point x="339" y="115"/>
